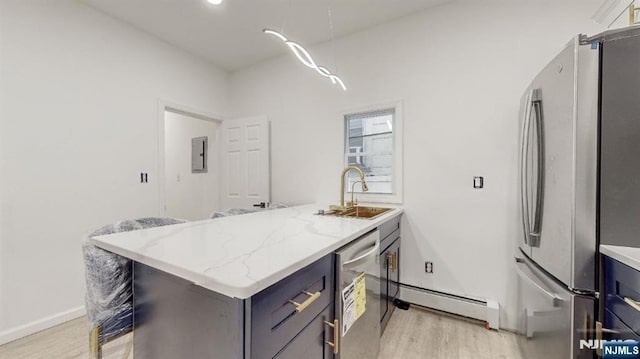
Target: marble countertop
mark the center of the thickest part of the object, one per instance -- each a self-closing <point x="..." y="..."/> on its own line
<point x="626" y="255"/>
<point x="241" y="255"/>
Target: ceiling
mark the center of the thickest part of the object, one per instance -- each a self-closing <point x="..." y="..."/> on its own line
<point x="230" y="35"/>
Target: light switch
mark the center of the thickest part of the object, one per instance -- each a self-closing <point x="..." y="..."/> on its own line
<point x="478" y="182"/>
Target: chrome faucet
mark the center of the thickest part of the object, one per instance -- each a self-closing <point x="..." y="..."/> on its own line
<point x="342" y="207"/>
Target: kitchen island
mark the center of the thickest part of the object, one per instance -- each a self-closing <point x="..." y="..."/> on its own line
<point x="238" y="287"/>
<point x="620" y="293"/>
<point x="629" y="256"/>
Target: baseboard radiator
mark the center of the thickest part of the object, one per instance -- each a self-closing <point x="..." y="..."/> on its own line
<point x="481" y="309"/>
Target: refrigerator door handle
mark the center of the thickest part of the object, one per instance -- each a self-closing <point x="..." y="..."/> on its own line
<point x="555" y="300"/>
<point x="524" y="173"/>
<point x="536" y="104"/>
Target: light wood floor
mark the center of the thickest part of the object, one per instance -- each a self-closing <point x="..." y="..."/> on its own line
<point x="426" y="334"/>
<point x="412" y="334"/>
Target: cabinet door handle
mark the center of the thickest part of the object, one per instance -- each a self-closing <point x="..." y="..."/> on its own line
<point x="392" y="261"/>
<point x="599" y="331"/>
<point x="599" y="337"/>
<point x="336" y="335"/>
<point x="635" y="305"/>
<point x="302" y="306"/>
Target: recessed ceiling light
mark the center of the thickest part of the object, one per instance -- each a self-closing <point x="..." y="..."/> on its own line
<point x="215" y="2"/>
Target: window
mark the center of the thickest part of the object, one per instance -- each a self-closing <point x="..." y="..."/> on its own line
<point x="372" y="143"/>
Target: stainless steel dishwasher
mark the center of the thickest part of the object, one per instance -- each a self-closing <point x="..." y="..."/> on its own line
<point x="358" y="297"/>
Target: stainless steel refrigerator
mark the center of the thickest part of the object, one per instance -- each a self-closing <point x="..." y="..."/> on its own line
<point x="579" y="180"/>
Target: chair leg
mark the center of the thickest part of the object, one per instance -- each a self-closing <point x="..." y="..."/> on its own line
<point x="94" y="343"/>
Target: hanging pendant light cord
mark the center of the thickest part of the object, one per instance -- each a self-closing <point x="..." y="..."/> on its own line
<point x="333" y="43"/>
<point x="287" y="14"/>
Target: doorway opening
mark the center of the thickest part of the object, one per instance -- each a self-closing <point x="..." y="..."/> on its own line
<point x="189" y="151"/>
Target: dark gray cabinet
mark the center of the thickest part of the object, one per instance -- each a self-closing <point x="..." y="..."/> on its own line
<point x="174" y="318"/>
<point x="621" y="295"/>
<point x="392" y="256"/>
<point x="311" y="343"/>
<point x="282" y="311"/>
<point x="389" y="269"/>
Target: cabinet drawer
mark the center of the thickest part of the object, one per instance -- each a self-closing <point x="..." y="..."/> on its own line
<point x="611" y="321"/>
<point x="388" y="227"/>
<point x="275" y="320"/>
<point x="311" y="342"/>
<point x="620" y="282"/>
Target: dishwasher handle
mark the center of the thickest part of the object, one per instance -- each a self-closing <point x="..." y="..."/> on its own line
<point x="363" y="256"/>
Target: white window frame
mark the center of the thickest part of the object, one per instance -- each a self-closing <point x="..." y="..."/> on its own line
<point x="358" y="150"/>
<point x="397" y="182"/>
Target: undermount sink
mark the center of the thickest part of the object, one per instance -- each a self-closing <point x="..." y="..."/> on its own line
<point x="366" y="212"/>
<point x="361" y="212"/>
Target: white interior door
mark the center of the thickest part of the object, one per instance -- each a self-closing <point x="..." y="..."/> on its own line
<point x="245" y="164"/>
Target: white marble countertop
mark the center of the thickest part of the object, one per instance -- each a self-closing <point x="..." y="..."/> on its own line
<point x="626" y="255"/>
<point x="241" y="255"/>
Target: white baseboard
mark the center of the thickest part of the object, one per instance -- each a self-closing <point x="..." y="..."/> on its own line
<point x="481" y="309"/>
<point x="39" y="325"/>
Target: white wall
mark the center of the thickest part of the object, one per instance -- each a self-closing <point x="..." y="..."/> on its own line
<point x="78" y="123"/>
<point x="188" y="195"/>
<point x="618" y="15"/>
<point x="460" y="70"/>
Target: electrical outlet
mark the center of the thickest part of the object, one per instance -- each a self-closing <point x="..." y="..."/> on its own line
<point x="428" y="267"/>
<point x="478" y="182"/>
